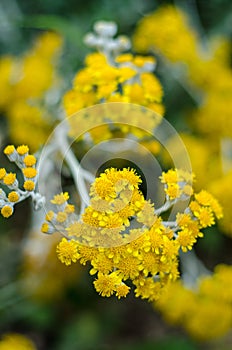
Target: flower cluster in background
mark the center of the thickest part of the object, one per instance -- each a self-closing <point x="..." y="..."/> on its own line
<point x="24" y="91"/>
<point x="112" y="76"/>
<point x="204" y="70"/>
<point x="206" y="304"/>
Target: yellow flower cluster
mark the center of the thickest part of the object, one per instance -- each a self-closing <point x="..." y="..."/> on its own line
<point x="123" y="78"/>
<point x="123" y="236"/>
<point x="24" y="82"/>
<point x="168" y="32"/>
<point x="16" y="341"/>
<point x="26" y="162"/>
<point x="198" y="311"/>
<point x="207" y="67"/>
<point x="173" y="184"/>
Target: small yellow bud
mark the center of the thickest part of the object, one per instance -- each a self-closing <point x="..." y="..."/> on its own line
<point x="49" y="215"/>
<point x="9" y="150"/>
<point x="7" y="211"/>
<point x="29" y="185"/>
<point x="69" y="209"/>
<point x="22" y="150"/>
<point x="2" y="173"/>
<point x="9" y="179"/>
<point x="30" y="173"/>
<point x="61" y="217"/>
<point x="13" y="196"/>
<point x="45" y="227"/>
<point x="29" y="160"/>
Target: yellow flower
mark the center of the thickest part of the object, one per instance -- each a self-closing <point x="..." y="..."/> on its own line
<point x="2" y="173"/>
<point x="105" y="284"/>
<point x="122" y="290"/>
<point x="29" y="185"/>
<point x="168" y="31"/>
<point x="183" y="219"/>
<point x="195" y="207"/>
<point x="205" y="216"/>
<point x="185" y="239"/>
<point x="13" y="196"/>
<point x="204" y="198"/>
<point x="29" y="172"/>
<point x="147" y="216"/>
<point x="16" y="341"/>
<point x="22" y="150"/>
<point x="170" y="176"/>
<point x="149" y="263"/>
<point x="29" y="160"/>
<point x="9" y="150"/>
<point x="124" y="58"/>
<point x="61" y="217"/>
<point x="67" y="251"/>
<point x="145" y="288"/>
<point x="87" y="253"/>
<point x="173" y="190"/>
<point x="60" y="199"/>
<point x="128" y="267"/>
<point x="50" y="215"/>
<point x="104" y="188"/>
<point x="7" y="211"/>
<point x="47" y="228"/>
<point x="69" y="209"/>
<point x="101" y="264"/>
<point x="9" y="179"/>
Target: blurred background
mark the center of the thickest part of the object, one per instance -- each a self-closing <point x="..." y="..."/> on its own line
<point x="57" y="308"/>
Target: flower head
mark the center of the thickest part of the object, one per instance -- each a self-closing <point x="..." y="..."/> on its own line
<point x="67" y="251"/>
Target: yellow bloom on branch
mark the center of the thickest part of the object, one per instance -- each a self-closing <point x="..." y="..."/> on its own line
<point x="7" y="211"/>
<point x="67" y="251"/>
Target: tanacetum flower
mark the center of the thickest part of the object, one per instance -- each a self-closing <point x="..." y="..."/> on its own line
<point x="67" y="251"/>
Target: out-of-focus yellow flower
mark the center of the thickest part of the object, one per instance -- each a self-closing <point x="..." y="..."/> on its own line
<point x="16" y="341"/>
<point x="198" y="310"/>
<point x="24" y="83"/>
